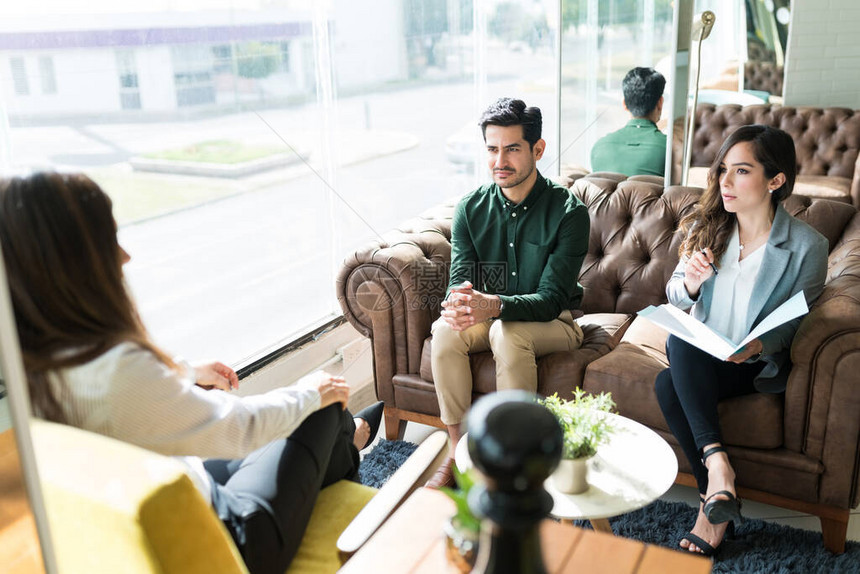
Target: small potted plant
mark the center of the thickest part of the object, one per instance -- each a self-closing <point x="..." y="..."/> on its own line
<point x="585" y="427"/>
<point x="463" y="530"/>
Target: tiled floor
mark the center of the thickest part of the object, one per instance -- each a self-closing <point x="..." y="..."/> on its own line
<point x="416" y="433"/>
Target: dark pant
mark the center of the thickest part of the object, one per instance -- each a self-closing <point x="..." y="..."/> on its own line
<point x="688" y="393"/>
<point x="266" y="499"/>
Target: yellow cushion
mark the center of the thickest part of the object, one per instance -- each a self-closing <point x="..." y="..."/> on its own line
<point x="113" y="507"/>
<point x="335" y="508"/>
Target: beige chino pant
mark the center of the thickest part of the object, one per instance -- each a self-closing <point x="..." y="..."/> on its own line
<point x="515" y="344"/>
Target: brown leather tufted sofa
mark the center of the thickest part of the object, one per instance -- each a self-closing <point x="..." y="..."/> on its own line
<point x="800" y="451"/>
<point x="827" y="141"/>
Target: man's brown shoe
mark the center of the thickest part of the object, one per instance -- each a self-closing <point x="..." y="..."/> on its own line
<point x="444" y="476"/>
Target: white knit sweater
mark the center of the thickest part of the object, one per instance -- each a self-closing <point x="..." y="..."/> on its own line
<point x="128" y="394"/>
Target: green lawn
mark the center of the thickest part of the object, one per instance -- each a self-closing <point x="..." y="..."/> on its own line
<point x="218" y="151"/>
<point x="140" y="195"/>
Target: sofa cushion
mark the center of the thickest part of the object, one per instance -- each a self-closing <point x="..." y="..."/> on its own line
<point x="824" y="187"/>
<point x="629" y="371"/>
<point x="557" y="372"/>
<point x="697" y="177"/>
<point x="336" y="506"/>
<point x="114" y="507"/>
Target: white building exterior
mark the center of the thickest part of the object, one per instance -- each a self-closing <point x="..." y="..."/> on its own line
<point x="169" y="62"/>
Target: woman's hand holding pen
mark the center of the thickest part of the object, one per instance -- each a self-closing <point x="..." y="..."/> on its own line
<point x="699" y="268"/>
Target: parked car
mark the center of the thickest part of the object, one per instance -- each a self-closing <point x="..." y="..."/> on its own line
<point x="464" y="146"/>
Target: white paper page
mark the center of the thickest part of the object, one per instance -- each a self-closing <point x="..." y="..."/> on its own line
<point x="794" y="307"/>
<point x="689" y="329"/>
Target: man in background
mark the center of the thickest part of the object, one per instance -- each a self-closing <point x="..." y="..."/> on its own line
<point x="639" y="148"/>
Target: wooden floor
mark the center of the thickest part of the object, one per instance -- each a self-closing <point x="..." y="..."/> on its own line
<point x="19" y="543"/>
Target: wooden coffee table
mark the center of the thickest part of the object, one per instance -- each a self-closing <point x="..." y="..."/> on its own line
<point x="635" y="468"/>
<point x="412" y="541"/>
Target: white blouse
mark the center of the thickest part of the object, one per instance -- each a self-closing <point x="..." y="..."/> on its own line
<point x="128" y="394"/>
<point x="733" y="288"/>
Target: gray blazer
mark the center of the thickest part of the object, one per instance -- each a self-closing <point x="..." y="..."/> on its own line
<point x="795" y="259"/>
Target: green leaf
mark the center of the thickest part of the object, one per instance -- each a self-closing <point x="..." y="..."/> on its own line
<point x="583" y="426"/>
<point x="460" y="496"/>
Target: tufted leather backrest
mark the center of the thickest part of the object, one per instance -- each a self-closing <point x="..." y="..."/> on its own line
<point x="827" y="140"/>
<point x="634" y="242"/>
<point x="764" y="76"/>
<point x="633" y="247"/>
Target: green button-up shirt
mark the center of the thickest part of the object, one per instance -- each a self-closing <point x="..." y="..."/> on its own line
<point x="639" y="148"/>
<point x="529" y="253"/>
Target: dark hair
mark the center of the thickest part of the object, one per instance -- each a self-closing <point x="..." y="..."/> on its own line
<point x="64" y="266"/>
<point x="710" y="225"/>
<point x="642" y="89"/>
<point x="510" y="112"/>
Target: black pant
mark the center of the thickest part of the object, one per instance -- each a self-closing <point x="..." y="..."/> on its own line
<point x="688" y="393"/>
<point x="266" y="499"/>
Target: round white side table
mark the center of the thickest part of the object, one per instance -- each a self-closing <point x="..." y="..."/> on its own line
<point x="630" y="471"/>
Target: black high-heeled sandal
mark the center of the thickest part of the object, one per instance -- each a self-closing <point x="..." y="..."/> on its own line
<point x="722" y="509"/>
<point x="704" y="545"/>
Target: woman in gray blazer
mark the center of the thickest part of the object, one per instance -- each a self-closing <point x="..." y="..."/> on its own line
<point x="743" y="256"/>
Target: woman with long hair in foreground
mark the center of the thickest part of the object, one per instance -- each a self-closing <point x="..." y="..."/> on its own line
<point x="742" y="257"/>
<point x="91" y="364"/>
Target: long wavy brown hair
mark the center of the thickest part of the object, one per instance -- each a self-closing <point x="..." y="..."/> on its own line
<point x="709" y="224"/>
<point x="64" y="265"/>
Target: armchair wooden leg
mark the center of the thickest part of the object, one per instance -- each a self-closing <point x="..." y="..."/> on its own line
<point x="834" y="531"/>
<point x="395" y="427"/>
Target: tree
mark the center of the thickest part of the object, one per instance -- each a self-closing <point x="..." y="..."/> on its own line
<point x="512" y="23"/>
<point x="257" y="59"/>
<point x="610" y="12"/>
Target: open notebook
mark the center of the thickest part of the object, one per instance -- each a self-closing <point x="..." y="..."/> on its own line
<point x="693" y="331"/>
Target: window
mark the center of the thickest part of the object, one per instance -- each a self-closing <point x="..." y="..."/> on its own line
<point x="46" y="74"/>
<point x="19" y="76"/>
<point x="129" y="90"/>
<point x="222" y="59"/>
<point x="192" y="74"/>
<point x="285" y="57"/>
<point x="252" y="148"/>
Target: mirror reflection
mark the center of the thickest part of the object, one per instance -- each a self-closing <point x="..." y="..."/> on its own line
<point x="766" y="40"/>
<point x="743" y="60"/>
<point x="601" y="42"/>
<point x="740" y="62"/>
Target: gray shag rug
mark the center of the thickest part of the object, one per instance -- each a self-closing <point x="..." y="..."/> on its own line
<point x="381" y="462"/>
<point x="758" y="547"/>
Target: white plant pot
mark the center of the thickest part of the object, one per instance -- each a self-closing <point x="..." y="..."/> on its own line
<point x="571" y="476"/>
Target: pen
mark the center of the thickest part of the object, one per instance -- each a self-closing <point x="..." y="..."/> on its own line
<point x="714" y="267"/>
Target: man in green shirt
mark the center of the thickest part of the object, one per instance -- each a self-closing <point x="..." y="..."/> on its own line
<point x="517" y="246"/>
<point x="639" y="148"/>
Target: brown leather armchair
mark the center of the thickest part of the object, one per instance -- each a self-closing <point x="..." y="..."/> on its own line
<point x="827" y="141"/>
<point x="800" y="450"/>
